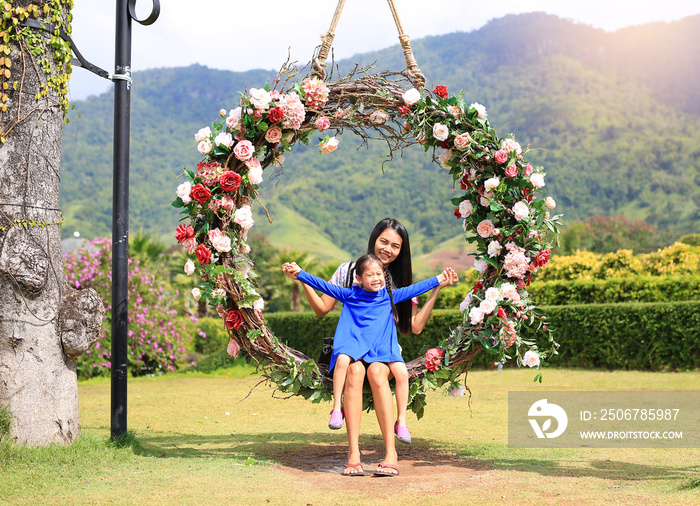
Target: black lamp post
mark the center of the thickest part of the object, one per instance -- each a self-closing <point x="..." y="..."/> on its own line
<point x="126" y="11"/>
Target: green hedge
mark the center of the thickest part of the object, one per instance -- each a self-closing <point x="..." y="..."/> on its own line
<point x="595" y="291"/>
<point x="645" y="336"/>
<point x="615" y="290"/>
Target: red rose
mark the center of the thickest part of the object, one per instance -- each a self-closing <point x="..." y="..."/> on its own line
<point x="527" y="194"/>
<point x="234" y="319"/>
<point x="184" y="232"/>
<point x="478" y="286"/>
<point x="457" y="213"/>
<point x="501" y="313"/>
<point x="200" y="193"/>
<point x="403" y="109"/>
<point x="440" y="91"/>
<point x="542" y="258"/>
<point x="275" y="114"/>
<point x="433" y="357"/>
<point x="230" y="181"/>
<point x="444" y="144"/>
<point x="203" y="254"/>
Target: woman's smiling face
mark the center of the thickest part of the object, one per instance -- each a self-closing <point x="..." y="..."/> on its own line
<point x="388" y="246"/>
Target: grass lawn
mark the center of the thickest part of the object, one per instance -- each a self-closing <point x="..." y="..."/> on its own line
<point x="205" y="440"/>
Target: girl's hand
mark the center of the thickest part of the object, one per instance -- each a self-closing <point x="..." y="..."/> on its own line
<point x="291" y="270"/>
<point x="448" y="277"/>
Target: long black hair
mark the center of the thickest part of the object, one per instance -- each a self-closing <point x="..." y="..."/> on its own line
<point x="400" y="272"/>
<point x="361" y="265"/>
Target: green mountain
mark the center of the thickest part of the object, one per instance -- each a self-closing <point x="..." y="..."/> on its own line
<point x="614" y="117"/>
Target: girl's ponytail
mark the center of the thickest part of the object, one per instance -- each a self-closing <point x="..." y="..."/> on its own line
<point x="389" y="282"/>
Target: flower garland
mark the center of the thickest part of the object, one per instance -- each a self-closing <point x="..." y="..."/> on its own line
<point x="513" y="230"/>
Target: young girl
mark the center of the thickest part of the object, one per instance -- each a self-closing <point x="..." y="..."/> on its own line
<point x="367" y="325"/>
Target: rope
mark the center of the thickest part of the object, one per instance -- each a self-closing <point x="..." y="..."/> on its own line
<point x="411" y="65"/>
<point x="319" y="64"/>
<point x="319" y="61"/>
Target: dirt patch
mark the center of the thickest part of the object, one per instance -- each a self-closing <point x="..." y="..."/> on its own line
<point x="422" y="468"/>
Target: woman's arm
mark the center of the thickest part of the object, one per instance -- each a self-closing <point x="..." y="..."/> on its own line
<point x="420" y="318"/>
<point x="321" y="305"/>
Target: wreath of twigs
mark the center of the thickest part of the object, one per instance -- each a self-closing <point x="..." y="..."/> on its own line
<point x="512" y="230"/>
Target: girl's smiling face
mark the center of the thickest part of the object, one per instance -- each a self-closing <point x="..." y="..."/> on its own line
<point x="388" y="246"/>
<point x="372" y="278"/>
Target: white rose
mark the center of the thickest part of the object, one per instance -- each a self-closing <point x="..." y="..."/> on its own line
<point x="531" y="359"/>
<point x="480" y="109"/>
<point x="204" y="147"/>
<point x="476" y="315"/>
<point x="486" y="202"/>
<point x="537" y="180"/>
<point x="440" y="131"/>
<point x="492" y="293"/>
<point x="189" y="267"/>
<point x="244" y="217"/>
<point x="550" y="203"/>
<point x="224" y="139"/>
<point x="494" y="249"/>
<point x="487" y="306"/>
<point x="196" y="293"/>
<point x="259" y="304"/>
<point x="480" y="265"/>
<point x="202" y="134"/>
<point x="491" y="183"/>
<point x="255" y="174"/>
<point x="465" y="208"/>
<point x="234" y="118"/>
<point x="520" y="210"/>
<point x="183" y="191"/>
<point x="411" y="97"/>
<point x="260" y="98"/>
<point x="465" y="303"/>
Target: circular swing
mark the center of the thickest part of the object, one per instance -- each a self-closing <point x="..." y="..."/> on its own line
<point x="512" y="230"/>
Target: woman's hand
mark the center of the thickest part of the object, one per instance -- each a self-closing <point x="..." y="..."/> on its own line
<point x="291" y="269"/>
<point x="448" y="277"/>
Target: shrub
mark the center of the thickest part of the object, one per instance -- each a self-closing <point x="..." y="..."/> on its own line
<point x="645" y="336"/>
<point x="212" y="336"/>
<point x="155" y="330"/>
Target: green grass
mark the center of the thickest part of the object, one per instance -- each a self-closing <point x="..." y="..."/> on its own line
<point x="196" y="439"/>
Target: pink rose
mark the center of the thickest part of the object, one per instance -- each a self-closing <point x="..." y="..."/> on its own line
<point x="204" y="147"/>
<point x="203" y="134"/>
<point x="476" y="315"/>
<point x="485" y="228"/>
<point x="411" y="96"/>
<point x="243" y="150"/>
<point x="550" y="203"/>
<point x="462" y="140"/>
<point x="322" y="123"/>
<point x="528" y="169"/>
<point x="329" y="145"/>
<point x="273" y="134"/>
<point x="500" y="156"/>
<point x="189" y="267"/>
<point x="537" y="180"/>
<point x="190" y="245"/>
<point x="433" y="358"/>
<point x="196" y="293"/>
<point x="233" y="348"/>
<point x="511" y="171"/>
<point x="220" y="241"/>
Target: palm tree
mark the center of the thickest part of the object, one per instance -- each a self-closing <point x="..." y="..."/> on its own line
<point x="283" y="283"/>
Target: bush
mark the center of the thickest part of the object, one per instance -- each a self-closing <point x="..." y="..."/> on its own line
<point x="645" y="336"/>
<point x="155" y="330"/>
<point x="616" y="290"/>
<point x="215" y="336"/>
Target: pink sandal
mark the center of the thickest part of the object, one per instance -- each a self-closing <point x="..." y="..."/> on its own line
<point x="402" y="433"/>
<point x="336" y="421"/>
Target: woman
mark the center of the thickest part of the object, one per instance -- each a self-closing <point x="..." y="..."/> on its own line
<point x="388" y="241"/>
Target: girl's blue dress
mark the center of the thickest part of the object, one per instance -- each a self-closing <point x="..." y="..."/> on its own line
<point x="366" y="328"/>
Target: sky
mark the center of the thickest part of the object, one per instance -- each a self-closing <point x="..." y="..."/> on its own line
<point x="242" y="35"/>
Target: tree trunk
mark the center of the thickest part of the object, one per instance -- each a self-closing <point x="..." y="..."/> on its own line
<point x="296" y="298"/>
<point x="44" y="324"/>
